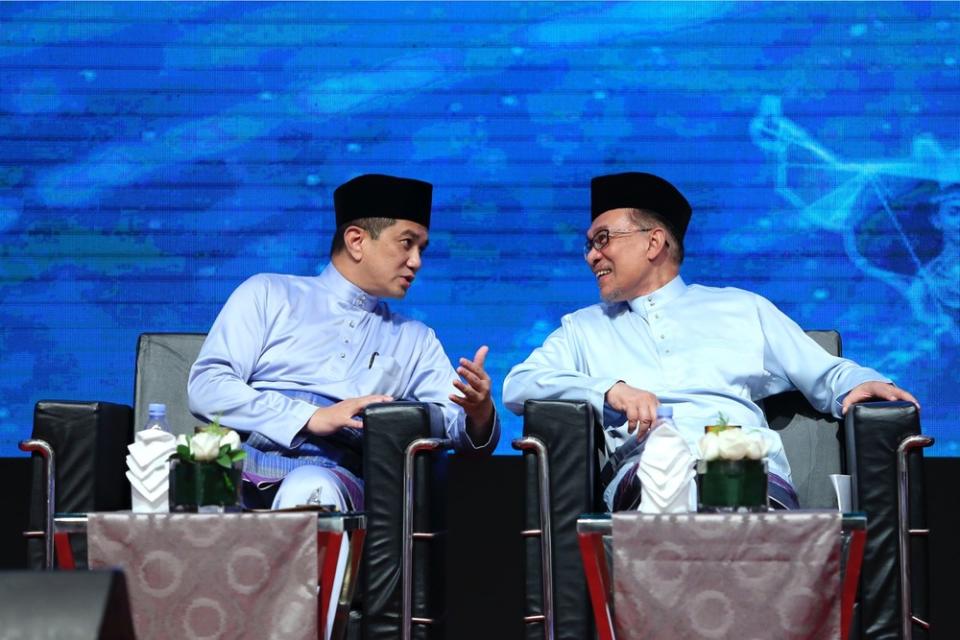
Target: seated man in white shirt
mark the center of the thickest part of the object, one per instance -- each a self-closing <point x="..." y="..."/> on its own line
<point x="656" y="340"/>
<point x="293" y="360"/>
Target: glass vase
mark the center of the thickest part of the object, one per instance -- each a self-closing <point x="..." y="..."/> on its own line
<point x="731" y="485"/>
<point x="203" y="487"/>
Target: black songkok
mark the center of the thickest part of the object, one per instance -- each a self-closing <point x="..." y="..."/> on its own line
<point x="646" y="191"/>
<point x="378" y="196"/>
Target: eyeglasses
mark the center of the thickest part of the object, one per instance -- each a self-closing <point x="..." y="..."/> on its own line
<point x="601" y="238"/>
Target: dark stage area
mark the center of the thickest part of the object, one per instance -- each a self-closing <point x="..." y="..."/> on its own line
<point x="484" y="562"/>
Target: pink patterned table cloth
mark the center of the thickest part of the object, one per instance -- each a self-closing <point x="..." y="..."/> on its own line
<point x="746" y="576"/>
<point x="234" y="575"/>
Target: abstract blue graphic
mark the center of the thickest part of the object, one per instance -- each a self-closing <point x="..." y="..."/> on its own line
<point x="847" y="197"/>
<point x="154" y="155"/>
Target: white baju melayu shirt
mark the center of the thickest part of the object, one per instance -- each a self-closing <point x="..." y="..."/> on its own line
<point x="702" y="350"/>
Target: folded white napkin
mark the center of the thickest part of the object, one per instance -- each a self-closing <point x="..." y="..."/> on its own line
<point x="155" y="503"/>
<point x="150" y="449"/>
<point x="148" y="470"/>
<point x="146" y="493"/>
<point x="152" y="478"/>
<point x="666" y="473"/>
<point x="139" y="471"/>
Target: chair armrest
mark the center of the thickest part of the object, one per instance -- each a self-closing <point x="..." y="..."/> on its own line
<point x="568" y="430"/>
<point x="90" y="442"/>
<point x="872" y="433"/>
<point x="388" y="429"/>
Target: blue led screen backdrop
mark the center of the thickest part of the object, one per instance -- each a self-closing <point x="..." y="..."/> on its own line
<point x="153" y="156"/>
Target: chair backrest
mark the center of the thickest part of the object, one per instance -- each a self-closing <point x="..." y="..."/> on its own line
<point x="163" y="366"/>
<point x="810" y="438"/>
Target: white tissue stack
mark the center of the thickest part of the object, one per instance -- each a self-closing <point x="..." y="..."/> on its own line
<point x="667" y="473"/>
<point x="148" y="470"/>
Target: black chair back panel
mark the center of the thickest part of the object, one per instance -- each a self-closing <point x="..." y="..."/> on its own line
<point x="89" y="440"/>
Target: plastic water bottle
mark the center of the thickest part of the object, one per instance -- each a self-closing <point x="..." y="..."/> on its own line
<point x="157" y="418"/>
<point x="148" y="465"/>
<point x="664" y="417"/>
<point x="687" y="490"/>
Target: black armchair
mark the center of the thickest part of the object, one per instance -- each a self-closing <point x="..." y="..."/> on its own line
<point x="401" y="582"/>
<point x="562" y="447"/>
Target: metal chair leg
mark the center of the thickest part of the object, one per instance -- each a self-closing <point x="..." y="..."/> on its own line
<point x="536" y="445"/>
<point x="907" y="619"/>
<point x="409" y="535"/>
<point x="49" y="469"/>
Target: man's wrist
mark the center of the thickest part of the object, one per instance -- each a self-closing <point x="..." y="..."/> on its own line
<point x="483" y="417"/>
<point x="313" y="421"/>
<point x="607" y="392"/>
<point x="480" y="432"/>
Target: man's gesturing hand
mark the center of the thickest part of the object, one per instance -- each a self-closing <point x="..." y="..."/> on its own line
<point x="475" y="388"/>
<point x="640" y="406"/>
<point x="327" y="420"/>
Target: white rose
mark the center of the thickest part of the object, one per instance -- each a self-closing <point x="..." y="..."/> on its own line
<point x="182" y="440"/>
<point x="205" y="447"/>
<point x="710" y="447"/>
<point x="733" y="444"/>
<point x="232" y="439"/>
<point x="756" y="448"/>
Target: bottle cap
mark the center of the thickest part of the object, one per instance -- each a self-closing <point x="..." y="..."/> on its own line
<point x="156" y="408"/>
<point x="665" y="411"/>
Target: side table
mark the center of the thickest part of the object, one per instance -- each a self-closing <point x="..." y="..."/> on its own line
<point x="722" y="539"/>
<point x="125" y="539"/>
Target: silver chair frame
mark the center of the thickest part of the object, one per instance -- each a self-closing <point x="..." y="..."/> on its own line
<point x="907" y="618"/>
<point x="50" y="475"/>
<point x="539" y="449"/>
<point x="421" y="445"/>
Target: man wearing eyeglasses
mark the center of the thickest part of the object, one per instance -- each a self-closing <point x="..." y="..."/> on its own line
<point x="655" y="340"/>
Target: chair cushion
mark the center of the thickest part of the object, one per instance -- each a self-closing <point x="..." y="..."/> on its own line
<point x="811" y="439"/>
<point x="163" y="367"/>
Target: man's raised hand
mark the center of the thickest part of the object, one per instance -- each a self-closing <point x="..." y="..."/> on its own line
<point x="475" y="388"/>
